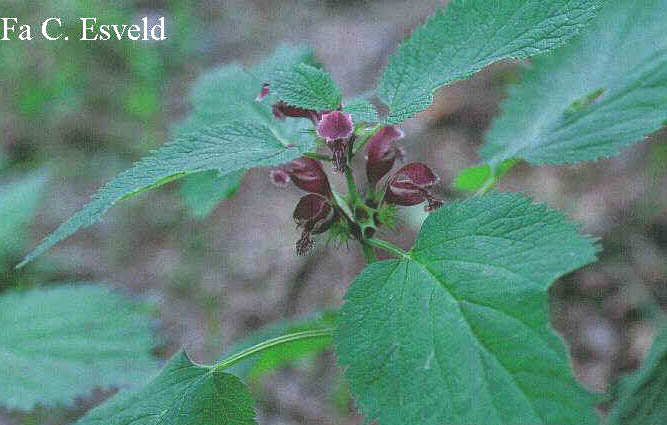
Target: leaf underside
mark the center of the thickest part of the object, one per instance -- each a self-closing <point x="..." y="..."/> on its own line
<point x="601" y="92"/>
<point x="182" y="394"/>
<point x="61" y="342"/>
<point x="458" y="333"/>
<point x="470" y="35"/>
<point x="202" y="192"/>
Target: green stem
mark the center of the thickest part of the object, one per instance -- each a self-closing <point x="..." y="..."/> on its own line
<point x="387" y="246"/>
<point x="351" y="187"/>
<point x="369" y="254"/>
<point x="319" y="156"/>
<point x="497" y="171"/>
<point x="270" y="343"/>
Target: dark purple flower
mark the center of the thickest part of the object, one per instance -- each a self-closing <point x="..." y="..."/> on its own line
<point x="381" y="153"/>
<point x="279" y="177"/>
<point x="307" y="174"/>
<point x="282" y="110"/>
<point x="337" y="129"/>
<point x="409" y="186"/>
<point x="266" y="88"/>
<point x="315" y="215"/>
<point x="335" y="125"/>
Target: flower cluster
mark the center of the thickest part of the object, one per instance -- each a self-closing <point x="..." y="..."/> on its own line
<point x="321" y="210"/>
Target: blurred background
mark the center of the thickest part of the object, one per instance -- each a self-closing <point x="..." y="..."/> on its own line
<point x="74" y="114"/>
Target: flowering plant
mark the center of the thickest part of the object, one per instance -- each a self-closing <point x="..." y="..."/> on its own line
<point x="455" y="329"/>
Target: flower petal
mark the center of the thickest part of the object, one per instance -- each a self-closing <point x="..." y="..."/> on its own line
<point x="382" y="152"/>
<point x="409" y="186"/>
<point x="335" y="125"/>
<point x="307" y="174"/>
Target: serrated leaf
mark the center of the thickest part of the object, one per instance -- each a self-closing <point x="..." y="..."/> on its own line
<point x="182" y="394"/>
<point x="18" y="201"/>
<point x="61" y="342"/>
<point x="361" y="110"/>
<point x="458" y="332"/>
<point x="223" y="95"/>
<point x="306" y="87"/>
<point x="642" y="398"/>
<point x="470" y="35"/>
<point x="284" y="56"/>
<point x="229" y="92"/>
<point x="230" y="147"/>
<point x="202" y="192"/>
<point x="280" y="355"/>
<point x="605" y="90"/>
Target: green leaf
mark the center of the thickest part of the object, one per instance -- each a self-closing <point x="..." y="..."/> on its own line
<point x="474" y="178"/>
<point x="229" y="92"/>
<point x="285" y="56"/>
<point x="230" y="147"/>
<point x="275" y="357"/>
<point x="361" y="110"/>
<point x="202" y="192"/>
<point x="605" y="90"/>
<point x="306" y="87"/>
<point x="470" y="35"/>
<point x="18" y="201"/>
<point x="60" y="342"/>
<point x="642" y="398"/>
<point x="182" y="394"/>
<point x="457" y="333"/>
<point x="226" y="94"/>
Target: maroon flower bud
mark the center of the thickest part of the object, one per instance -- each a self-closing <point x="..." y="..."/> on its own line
<point x="381" y="153"/>
<point x="337" y="129"/>
<point x="315" y="215"/>
<point x="307" y="174"/>
<point x="409" y="186"/>
<point x="282" y="110"/>
<point x="266" y="88"/>
<point x="279" y="177"/>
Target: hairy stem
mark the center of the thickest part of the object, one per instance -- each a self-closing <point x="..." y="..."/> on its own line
<point x="270" y="343"/>
<point x="351" y="187"/>
<point x="369" y="254"/>
<point x="315" y="155"/>
<point x="387" y="246"/>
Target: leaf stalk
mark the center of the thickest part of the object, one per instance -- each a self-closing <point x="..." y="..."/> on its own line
<point x="270" y="343"/>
